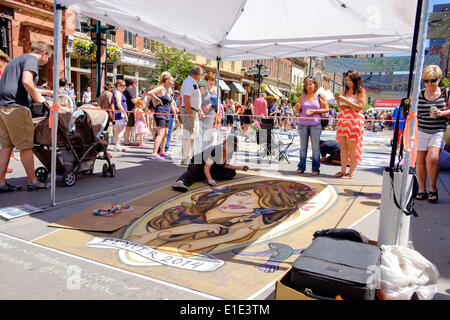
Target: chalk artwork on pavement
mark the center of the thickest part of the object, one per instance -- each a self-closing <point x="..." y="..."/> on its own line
<point x="277" y="253"/>
<point x="187" y="231"/>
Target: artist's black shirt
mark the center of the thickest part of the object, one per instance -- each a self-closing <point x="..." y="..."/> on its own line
<point x="329" y="147"/>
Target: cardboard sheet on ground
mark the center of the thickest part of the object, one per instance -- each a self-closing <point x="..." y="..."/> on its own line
<point x="230" y="242"/>
<point x="86" y="221"/>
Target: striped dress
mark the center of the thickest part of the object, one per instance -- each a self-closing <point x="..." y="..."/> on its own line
<point x="351" y="126"/>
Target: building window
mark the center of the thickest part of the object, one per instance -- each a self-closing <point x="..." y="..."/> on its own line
<point x="5" y="35"/>
<point x="208" y="62"/>
<point x="110" y="36"/>
<point x="148" y="44"/>
<point x="129" y="38"/>
<point x="82" y="24"/>
<point x="233" y="66"/>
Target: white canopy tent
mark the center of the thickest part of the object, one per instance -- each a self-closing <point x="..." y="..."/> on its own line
<point x="262" y="29"/>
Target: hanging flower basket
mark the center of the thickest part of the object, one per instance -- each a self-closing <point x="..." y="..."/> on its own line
<point x="87" y="50"/>
<point x="84" y="49"/>
<point x="113" y="54"/>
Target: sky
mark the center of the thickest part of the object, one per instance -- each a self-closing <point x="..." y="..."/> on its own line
<point x="433" y="3"/>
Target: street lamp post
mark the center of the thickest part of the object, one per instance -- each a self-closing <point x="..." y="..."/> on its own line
<point x="258" y="72"/>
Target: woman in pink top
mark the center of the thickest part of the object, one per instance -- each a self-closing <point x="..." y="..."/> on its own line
<point x="310" y="108"/>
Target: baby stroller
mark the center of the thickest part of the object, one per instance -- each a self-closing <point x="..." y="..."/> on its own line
<point x="80" y="141"/>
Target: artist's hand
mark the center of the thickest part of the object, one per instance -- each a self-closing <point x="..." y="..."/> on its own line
<point x="212" y="182"/>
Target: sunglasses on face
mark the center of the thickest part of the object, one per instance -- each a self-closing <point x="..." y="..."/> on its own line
<point x="431" y="80"/>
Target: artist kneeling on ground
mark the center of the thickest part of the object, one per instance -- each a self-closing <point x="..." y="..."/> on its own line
<point x="207" y="166"/>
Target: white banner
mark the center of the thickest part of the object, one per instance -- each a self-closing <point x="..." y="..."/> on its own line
<point x="204" y="263"/>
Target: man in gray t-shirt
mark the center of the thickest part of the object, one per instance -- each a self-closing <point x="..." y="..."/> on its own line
<point x="12" y="90"/>
<point x="17" y="91"/>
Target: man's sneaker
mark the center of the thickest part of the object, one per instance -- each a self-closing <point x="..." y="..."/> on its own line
<point x="37" y="186"/>
<point x="179" y="186"/>
<point x="8" y="188"/>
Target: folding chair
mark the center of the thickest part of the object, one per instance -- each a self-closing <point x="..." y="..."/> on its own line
<point x="283" y="149"/>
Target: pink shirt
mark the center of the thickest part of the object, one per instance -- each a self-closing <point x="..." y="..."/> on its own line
<point x="260" y="106"/>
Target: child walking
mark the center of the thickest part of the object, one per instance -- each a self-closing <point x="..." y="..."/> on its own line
<point x="140" y="129"/>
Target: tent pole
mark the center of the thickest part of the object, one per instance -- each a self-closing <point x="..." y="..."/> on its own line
<point x="402" y="232"/>
<point x="219" y="138"/>
<point x="57" y="10"/>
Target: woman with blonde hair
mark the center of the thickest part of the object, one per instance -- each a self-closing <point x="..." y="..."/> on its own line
<point x="350" y="126"/>
<point x="120" y="116"/>
<point x="432" y="116"/>
<point x="164" y="106"/>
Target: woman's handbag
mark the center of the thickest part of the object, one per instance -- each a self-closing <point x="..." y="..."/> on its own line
<point x="324" y="122"/>
<point x="325" y="117"/>
<point x="447" y="128"/>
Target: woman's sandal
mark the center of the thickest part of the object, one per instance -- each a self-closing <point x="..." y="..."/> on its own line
<point x="433" y="196"/>
<point x="340" y="174"/>
<point x="347" y="176"/>
<point x="422" y="196"/>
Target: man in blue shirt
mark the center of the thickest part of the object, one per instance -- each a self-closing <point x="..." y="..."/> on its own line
<point x="401" y="125"/>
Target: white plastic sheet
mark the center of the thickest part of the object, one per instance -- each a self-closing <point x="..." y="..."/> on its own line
<point x="404" y="271"/>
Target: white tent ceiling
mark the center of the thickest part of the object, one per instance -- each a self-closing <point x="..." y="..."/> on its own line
<point x="260" y="29"/>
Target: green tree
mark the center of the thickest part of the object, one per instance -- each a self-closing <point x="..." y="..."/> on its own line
<point x="177" y="62"/>
<point x="296" y="92"/>
<point x="445" y="82"/>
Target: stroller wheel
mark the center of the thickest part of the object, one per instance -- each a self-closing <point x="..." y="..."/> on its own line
<point x="69" y="178"/>
<point x="41" y="174"/>
<point x="105" y="170"/>
<point x="112" y="170"/>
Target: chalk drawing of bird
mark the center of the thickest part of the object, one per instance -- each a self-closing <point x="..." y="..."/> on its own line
<point x="278" y="253"/>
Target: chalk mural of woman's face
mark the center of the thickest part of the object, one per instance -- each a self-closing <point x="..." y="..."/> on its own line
<point x="240" y="203"/>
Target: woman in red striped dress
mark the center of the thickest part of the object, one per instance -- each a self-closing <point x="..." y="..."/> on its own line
<point x="350" y="127"/>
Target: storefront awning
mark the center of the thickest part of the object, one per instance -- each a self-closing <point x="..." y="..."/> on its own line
<point x="270" y="92"/>
<point x="237" y="87"/>
<point x="223" y="86"/>
<point x="278" y="92"/>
